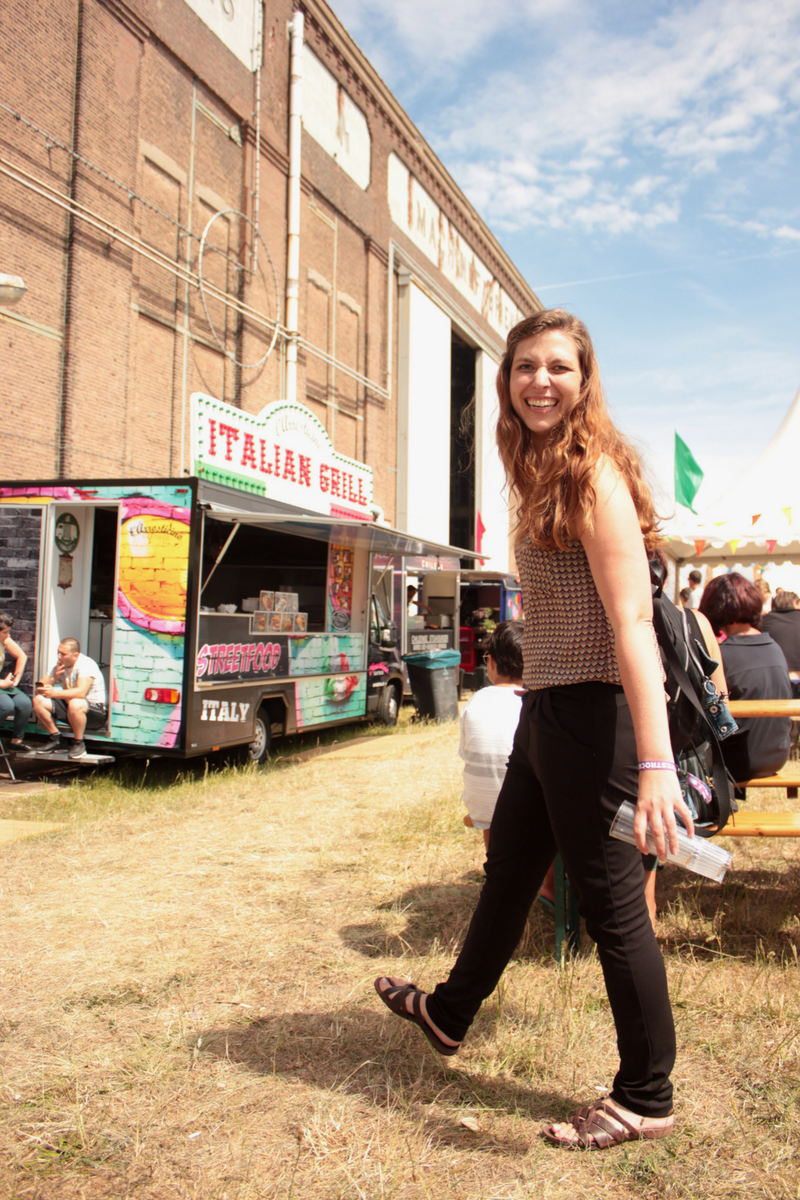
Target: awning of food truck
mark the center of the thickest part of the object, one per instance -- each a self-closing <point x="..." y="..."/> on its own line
<point x="379" y="539"/>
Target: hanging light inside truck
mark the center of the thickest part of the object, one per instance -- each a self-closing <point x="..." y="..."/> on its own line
<point x="162" y="695"/>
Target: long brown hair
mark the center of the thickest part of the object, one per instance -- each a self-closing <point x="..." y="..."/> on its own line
<point x="554" y="491"/>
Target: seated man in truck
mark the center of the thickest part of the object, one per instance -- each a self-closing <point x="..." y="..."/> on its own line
<point x="74" y="692"/>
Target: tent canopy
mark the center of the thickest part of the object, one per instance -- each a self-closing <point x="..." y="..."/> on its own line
<point x="758" y="518"/>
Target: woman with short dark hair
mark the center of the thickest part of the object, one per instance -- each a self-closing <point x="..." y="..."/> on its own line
<point x="755" y="669"/>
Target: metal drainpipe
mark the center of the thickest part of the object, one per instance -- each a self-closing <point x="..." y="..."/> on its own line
<point x="63" y="429"/>
<point x="293" y="238"/>
<point x="257" y="198"/>
<point x="389" y="318"/>
<point x="186" y="290"/>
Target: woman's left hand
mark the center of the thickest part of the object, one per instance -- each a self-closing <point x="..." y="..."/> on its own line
<point x="660" y="798"/>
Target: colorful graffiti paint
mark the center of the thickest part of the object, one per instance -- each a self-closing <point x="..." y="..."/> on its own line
<point x="149" y="622"/>
<point x="335" y="698"/>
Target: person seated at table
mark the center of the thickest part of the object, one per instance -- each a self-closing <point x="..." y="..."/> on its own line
<point x="13" y="702"/>
<point x="755" y="669"/>
<point x="783" y="626"/>
<point x="74" y="692"/>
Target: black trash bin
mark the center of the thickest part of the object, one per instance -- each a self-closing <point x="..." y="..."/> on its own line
<point x="434" y="683"/>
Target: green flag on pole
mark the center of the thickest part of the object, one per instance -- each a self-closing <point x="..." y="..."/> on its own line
<point x="688" y="475"/>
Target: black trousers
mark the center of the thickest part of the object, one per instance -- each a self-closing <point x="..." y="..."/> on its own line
<point x="572" y="765"/>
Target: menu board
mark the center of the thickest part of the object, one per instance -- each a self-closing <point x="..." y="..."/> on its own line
<point x="340" y="587"/>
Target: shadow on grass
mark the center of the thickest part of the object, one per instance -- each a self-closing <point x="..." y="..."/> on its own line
<point x="752" y="915"/>
<point x="359" y="1053"/>
<point x="436" y="919"/>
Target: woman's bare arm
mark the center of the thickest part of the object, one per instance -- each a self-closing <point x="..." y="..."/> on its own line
<point x="619" y="568"/>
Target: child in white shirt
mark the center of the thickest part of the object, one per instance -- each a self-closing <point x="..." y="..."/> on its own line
<point x="488" y="725"/>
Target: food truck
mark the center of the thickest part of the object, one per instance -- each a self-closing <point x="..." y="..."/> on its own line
<point x="255" y="598"/>
<point x="487" y="598"/>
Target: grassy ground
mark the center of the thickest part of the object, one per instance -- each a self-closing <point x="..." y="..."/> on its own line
<point x="187" y="1006"/>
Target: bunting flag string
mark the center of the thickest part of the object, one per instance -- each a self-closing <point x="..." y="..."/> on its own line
<point x="757" y="517"/>
<point x="700" y="546"/>
<point x="733" y="545"/>
<point x="771" y="544"/>
<point x="787" y="512"/>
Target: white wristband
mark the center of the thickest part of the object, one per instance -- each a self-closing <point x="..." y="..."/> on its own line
<point x="657" y="765"/>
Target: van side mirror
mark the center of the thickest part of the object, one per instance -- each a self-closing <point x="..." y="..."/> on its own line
<point x="389" y="636"/>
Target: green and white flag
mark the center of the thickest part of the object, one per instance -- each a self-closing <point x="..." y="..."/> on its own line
<point x="688" y="475"/>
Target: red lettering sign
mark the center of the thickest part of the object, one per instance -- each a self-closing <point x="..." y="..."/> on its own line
<point x="305" y="469"/>
<point x="231" y="435"/>
<point x="212" y="437"/>
<point x="336" y="476"/>
<point x="288" y="465"/>
<point x="324" y="481"/>
<point x="264" y="466"/>
<point x="249" y="452"/>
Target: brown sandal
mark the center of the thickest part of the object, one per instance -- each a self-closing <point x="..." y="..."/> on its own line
<point x="395" y="996"/>
<point x="601" y="1125"/>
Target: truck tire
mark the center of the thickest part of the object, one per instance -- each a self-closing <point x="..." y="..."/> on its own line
<point x="389" y="706"/>
<point x="259" y="748"/>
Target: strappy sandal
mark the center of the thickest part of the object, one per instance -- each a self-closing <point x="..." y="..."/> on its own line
<point x="395" y="996"/>
<point x="601" y="1125"/>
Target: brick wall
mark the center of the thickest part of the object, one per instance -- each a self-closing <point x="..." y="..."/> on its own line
<point x="97" y="366"/>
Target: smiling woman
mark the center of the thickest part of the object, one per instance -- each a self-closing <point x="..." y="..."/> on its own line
<point x="594" y="712"/>
<point x="545" y="382"/>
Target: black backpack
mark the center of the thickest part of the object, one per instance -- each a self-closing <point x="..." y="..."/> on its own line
<point x="696" y="718"/>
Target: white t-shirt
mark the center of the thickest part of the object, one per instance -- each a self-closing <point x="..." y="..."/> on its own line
<point x="488" y="725"/>
<point x="84" y="666"/>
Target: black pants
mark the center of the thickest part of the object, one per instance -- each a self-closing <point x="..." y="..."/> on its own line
<point x="572" y="765"/>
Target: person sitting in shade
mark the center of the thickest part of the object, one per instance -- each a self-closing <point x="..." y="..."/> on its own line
<point x="74" y="692"/>
<point x="13" y="702"/>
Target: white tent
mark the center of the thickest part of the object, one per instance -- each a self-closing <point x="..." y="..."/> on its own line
<point x="757" y="520"/>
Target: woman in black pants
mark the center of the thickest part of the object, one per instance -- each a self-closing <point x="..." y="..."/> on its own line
<point x="593" y="730"/>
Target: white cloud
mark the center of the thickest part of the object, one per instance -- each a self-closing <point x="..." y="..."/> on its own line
<point x="786" y="232"/>
<point x="541" y="92"/>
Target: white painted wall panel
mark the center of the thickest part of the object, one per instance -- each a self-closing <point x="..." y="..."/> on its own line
<point x="491" y="494"/>
<point x="423" y="417"/>
<point x="235" y="22"/>
<point x="332" y="119"/>
<point x="421" y="219"/>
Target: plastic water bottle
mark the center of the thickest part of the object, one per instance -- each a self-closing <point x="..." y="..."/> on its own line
<point x="697" y="854"/>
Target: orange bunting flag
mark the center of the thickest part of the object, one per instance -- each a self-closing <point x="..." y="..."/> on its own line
<point x="771" y="544"/>
<point x="787" y="512"/>
<point x="757" y="517"/>
<point x="700" y="546"/>
<point x="733" y="545"/>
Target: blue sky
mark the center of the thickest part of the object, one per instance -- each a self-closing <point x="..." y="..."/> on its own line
<point x="641" y="165"/>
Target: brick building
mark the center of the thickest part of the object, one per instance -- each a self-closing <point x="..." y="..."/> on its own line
<point x="146" y="201"/>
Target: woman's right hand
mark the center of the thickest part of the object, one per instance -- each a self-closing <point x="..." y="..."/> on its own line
<point x="660" y="797"/>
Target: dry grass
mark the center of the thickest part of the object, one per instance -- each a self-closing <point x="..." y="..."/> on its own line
<point x="187" y="1005"/>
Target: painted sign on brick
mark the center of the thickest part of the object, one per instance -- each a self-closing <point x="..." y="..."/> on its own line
<point x="421" y="219"/>
<point x="285" y="453"/>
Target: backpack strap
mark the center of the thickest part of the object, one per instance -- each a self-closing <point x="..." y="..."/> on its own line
<point x="719" y="773"/>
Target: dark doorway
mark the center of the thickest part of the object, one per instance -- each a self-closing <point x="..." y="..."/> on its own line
<point x="462" y="444"/>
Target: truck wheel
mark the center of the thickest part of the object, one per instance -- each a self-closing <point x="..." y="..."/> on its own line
<point x="259" y="748"/>
<point x="389" y="706"/>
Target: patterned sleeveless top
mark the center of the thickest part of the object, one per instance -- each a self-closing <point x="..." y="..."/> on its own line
<point x="568" y="637"/>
